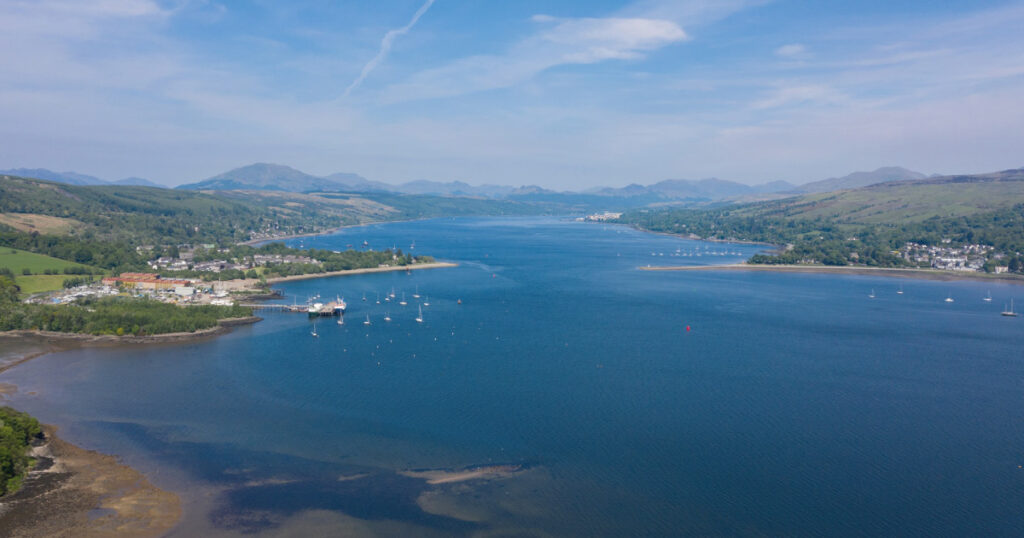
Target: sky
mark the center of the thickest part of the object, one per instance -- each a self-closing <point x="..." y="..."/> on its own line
<point x="566" y="94"/>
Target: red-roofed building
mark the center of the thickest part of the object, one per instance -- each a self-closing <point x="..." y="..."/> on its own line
<point x="144" y="281"/>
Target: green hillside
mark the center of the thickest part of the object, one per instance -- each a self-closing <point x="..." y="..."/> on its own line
<point x="867" y="226"/>
<point x="140" y="214"/>
<point x="903" y="201"/>
<point x="101" y="226"/>
<point x="18" y="261"/>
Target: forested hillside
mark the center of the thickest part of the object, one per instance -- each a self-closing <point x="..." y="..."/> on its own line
<point x="869" y="225"/>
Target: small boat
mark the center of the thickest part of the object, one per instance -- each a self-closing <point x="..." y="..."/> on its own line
<point x="427" y="301"/>
<point x="392" y="294"/>
<point x="315" y="335"/>
<point x="341" y="321"/>
<point x="950" y="298"/>
<point x="419" y="318"/>
<point x="1010" y="313"/>
<point x="900" y="291"/>
<point x="416" y="294"/>
<point x="364" y="297"/>
<point x="378" y="297"/>
<point x="987" y="298"/>
<point x="367" y="322"/>
<point x="872" y="294"/>
<point x="387" y="316"/>
<point x="460" y="301"/>
<point x="402" y="302"/>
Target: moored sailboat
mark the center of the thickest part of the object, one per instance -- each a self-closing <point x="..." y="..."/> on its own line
<point x="1010" y="312"/>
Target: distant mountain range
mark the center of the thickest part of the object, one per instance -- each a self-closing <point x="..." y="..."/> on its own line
<point x="277" y="177"/>
<point x="700" y="189"/>
<point x="74" y="178"/>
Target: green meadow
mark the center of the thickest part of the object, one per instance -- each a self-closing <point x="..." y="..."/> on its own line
<point x="19" y="260"/>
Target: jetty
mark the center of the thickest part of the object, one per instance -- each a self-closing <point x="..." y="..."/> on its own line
<point x="277" y="307"/>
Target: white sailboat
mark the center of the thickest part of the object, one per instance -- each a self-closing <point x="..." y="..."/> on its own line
<point x="315" y="335"/>
<point x="987" y="298"/>
<point x="378" y="297"/>
<point x="367" y="322"/>
<point x="872" y="294"/>
<point x="402" y="302"/>
<point x="416" y="294"/>
<point x="950" y="298"/>
<point x="419" y="318"/>
<point x="387" y="316"/>
<point x="1010" y="313"/>
<point x="341" y="320"/>
<point x="364" y="296"/>
<point x="426" y="302"/>
<point x="900" y="291"/>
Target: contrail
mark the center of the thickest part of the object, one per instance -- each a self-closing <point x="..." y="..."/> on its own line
<point x="385" y="47"/>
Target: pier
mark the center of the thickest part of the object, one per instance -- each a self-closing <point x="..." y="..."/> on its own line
<point x="277" y="307"/>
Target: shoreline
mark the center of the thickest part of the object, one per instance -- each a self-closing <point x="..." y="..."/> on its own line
<point x="695" y="237"/>
<point x="923" y="274"/>
<point x="308" y="276"/>
<point x="257" y="242"/>
<point x="223" y="326"/>
<point x="72" y="491"/>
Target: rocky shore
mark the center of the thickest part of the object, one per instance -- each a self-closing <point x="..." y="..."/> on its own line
<point x="222" y="327"/>
<point x="73" y="492"/>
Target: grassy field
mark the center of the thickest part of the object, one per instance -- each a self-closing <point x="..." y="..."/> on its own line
<point x="19" y="260"/>
<point x="44" y="224"/>
<point x="37" y="283"/>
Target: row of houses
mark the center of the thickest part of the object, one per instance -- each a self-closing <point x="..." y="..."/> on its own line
<point x="962" y="258"/>
<point x="215" y="266"/>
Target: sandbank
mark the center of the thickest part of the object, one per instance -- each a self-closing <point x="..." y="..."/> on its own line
<point x="445" y="476"/>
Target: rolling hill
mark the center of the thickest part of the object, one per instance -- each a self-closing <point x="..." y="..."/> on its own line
<point x="867" y="226"/>
<point x="861" y="179"/>
<point x="904" y="201"/>
<point x="265" y="176"/>
<point x="74" y="178"/>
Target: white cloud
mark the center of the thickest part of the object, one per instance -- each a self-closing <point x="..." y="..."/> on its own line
<point x="593" y="40"/>
<point x="561" y="42"/>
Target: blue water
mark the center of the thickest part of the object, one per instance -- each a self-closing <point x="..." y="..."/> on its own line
<point x="793" y="405"/>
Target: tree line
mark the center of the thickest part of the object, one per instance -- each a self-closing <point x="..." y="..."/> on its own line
<point x="110" y="315"/>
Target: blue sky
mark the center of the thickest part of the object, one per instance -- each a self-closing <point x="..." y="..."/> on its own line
<point x="564" y="94"/>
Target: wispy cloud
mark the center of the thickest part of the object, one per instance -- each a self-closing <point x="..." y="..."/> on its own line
<point x="801" y="95"/>
<point x="558" y="41"/>
<point x="793" y="50"/>
<point x="385" y="47"/>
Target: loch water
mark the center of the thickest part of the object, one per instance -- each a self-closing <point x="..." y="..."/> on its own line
<point x="622" y="402"/>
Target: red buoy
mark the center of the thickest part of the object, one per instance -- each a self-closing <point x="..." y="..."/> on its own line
<point x="687" y="328"/>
